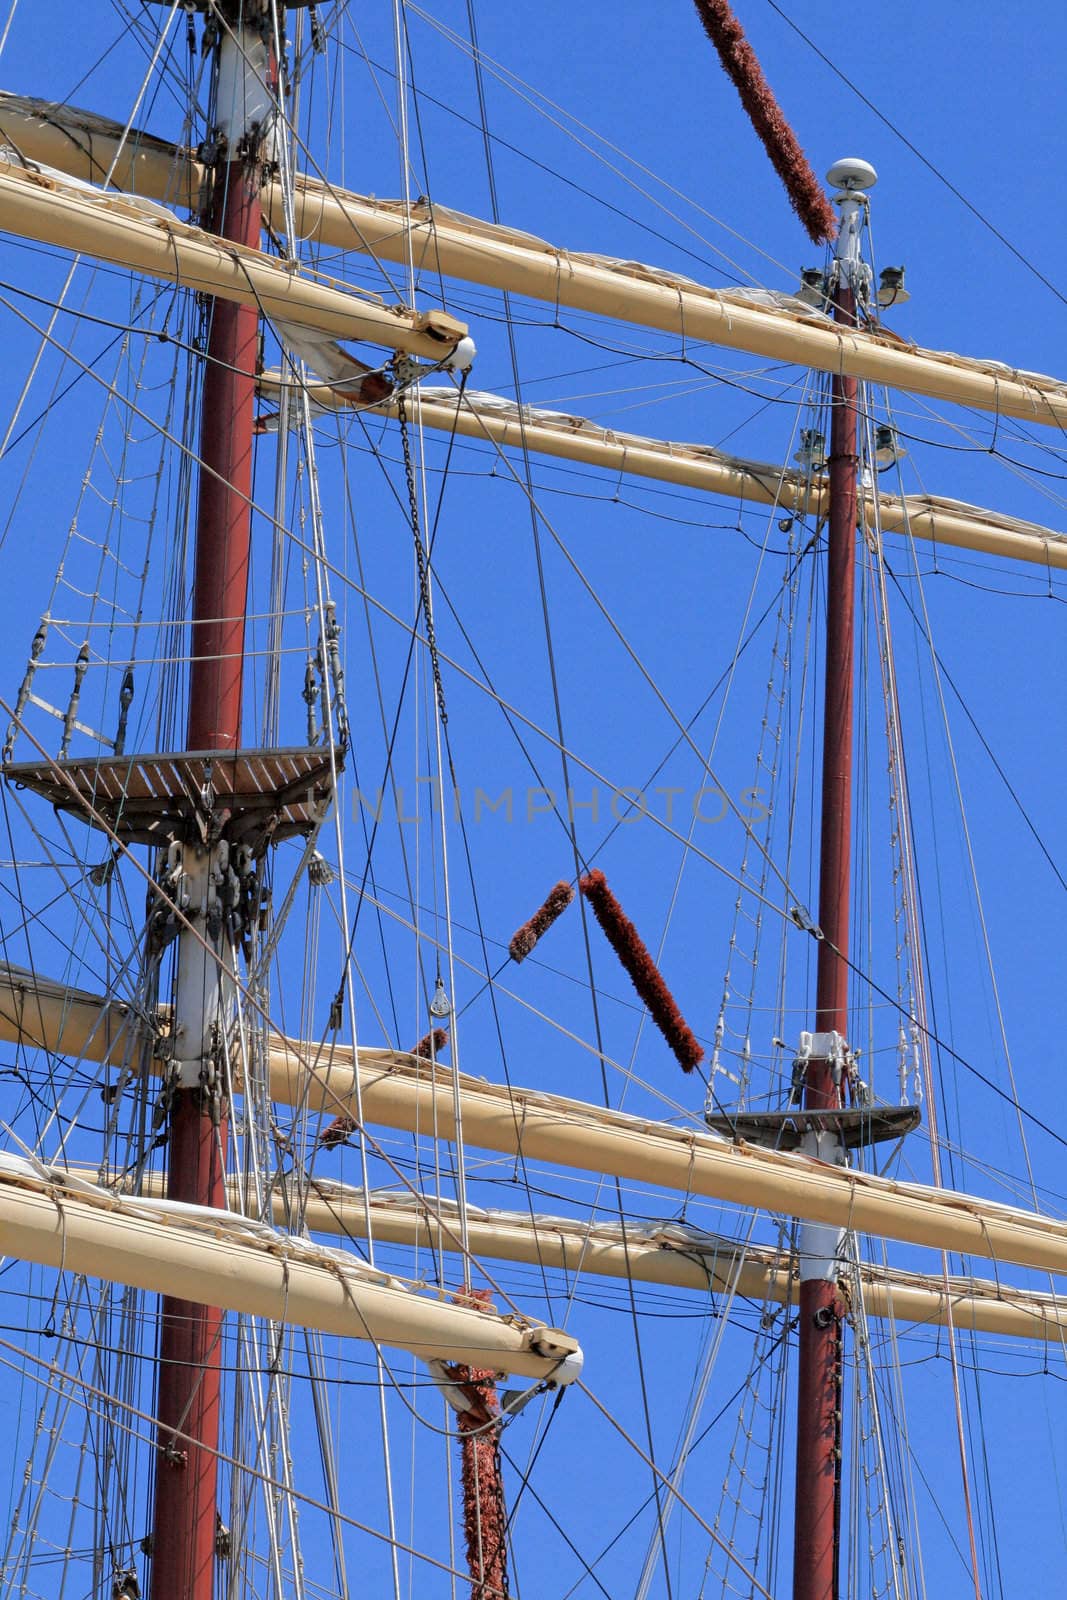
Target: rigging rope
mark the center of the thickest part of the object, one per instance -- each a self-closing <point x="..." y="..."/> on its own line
<point x="425" y="602"/>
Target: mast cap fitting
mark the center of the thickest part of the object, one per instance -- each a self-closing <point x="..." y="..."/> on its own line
<point x="852" y="175"/>
<point x="462" y="357"/>
<point x="569" y="1369"/>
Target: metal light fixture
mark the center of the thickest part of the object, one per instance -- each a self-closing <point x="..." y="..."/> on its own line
<point x="891" y="290"/>
<point x="887" y="451"/>
<point x="812" y="453"/>
<point x="814" y="289"/>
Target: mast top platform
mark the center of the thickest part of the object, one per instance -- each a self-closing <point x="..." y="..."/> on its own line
<point x="251" y="797"/>
<point x="855" y="1126"/>
<point x="223" y="6"/>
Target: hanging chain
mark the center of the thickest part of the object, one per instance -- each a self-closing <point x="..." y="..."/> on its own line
<point x="420" y="557"/>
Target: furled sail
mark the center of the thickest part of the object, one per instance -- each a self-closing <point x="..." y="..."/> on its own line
<point x="553" y="433"/>
<point x="135" y="233"/>
<point x="398" y="1090"/>
<point x="671" y="1253"/>
<point x="220" y="1258"/>
<point x="444" y="241"/>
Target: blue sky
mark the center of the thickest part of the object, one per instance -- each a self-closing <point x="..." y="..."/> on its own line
<point x="977" y="91"/>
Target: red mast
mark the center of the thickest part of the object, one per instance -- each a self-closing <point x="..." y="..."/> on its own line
<point x="186" y="1520"/>
<point x="819" y="1399"/>
<point x="478" y="1420"/>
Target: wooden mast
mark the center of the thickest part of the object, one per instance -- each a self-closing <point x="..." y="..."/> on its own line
<point x="189" y="1384"/>
<point x="816" y="1538"/>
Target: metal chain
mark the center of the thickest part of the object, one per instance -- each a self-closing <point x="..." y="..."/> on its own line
<point x="420" y="557"/>
<point x="501" y="1507"/>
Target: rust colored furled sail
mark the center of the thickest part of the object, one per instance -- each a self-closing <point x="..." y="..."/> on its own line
<point x="431" y="1044"/>
<point x="642" y="970"/>
<point x="556" y="902"/>
<point x="343" y="1126"/>
<point x="485" y="1523"/>
<point x="805" y="192"/>
<point x="337" y="1131"/>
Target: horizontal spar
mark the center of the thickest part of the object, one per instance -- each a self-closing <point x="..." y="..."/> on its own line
<point x="215" y="1258"/>
<point x="405" y="1092"/>
<point x="442" y="241"/>
<point x="669" y="1254"/>
<point x="408" y="1093"/>
<point x="676" y="1255"/>
<point x="483" y="416"/>
<point x="146" y="239"/>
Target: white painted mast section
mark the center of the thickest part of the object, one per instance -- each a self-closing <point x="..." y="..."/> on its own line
<point x="204" y="987"/>
<point x="244" y="104"/>
<point x="822" y="1251"/>
<point x="851" y="178"/>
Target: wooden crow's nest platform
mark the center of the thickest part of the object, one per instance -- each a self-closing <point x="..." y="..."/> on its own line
<point x="252" y="797"/>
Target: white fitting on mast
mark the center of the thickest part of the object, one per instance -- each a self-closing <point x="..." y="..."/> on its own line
<point x="205" y="983"/>
<point x="851" y="177"/>
<point x="244" y="104"/>
<point x="821" y="1245"/>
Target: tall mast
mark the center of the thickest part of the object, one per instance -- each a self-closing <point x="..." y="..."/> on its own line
<point x="185" y="1528"/>
<point x="819" y="1394"/>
